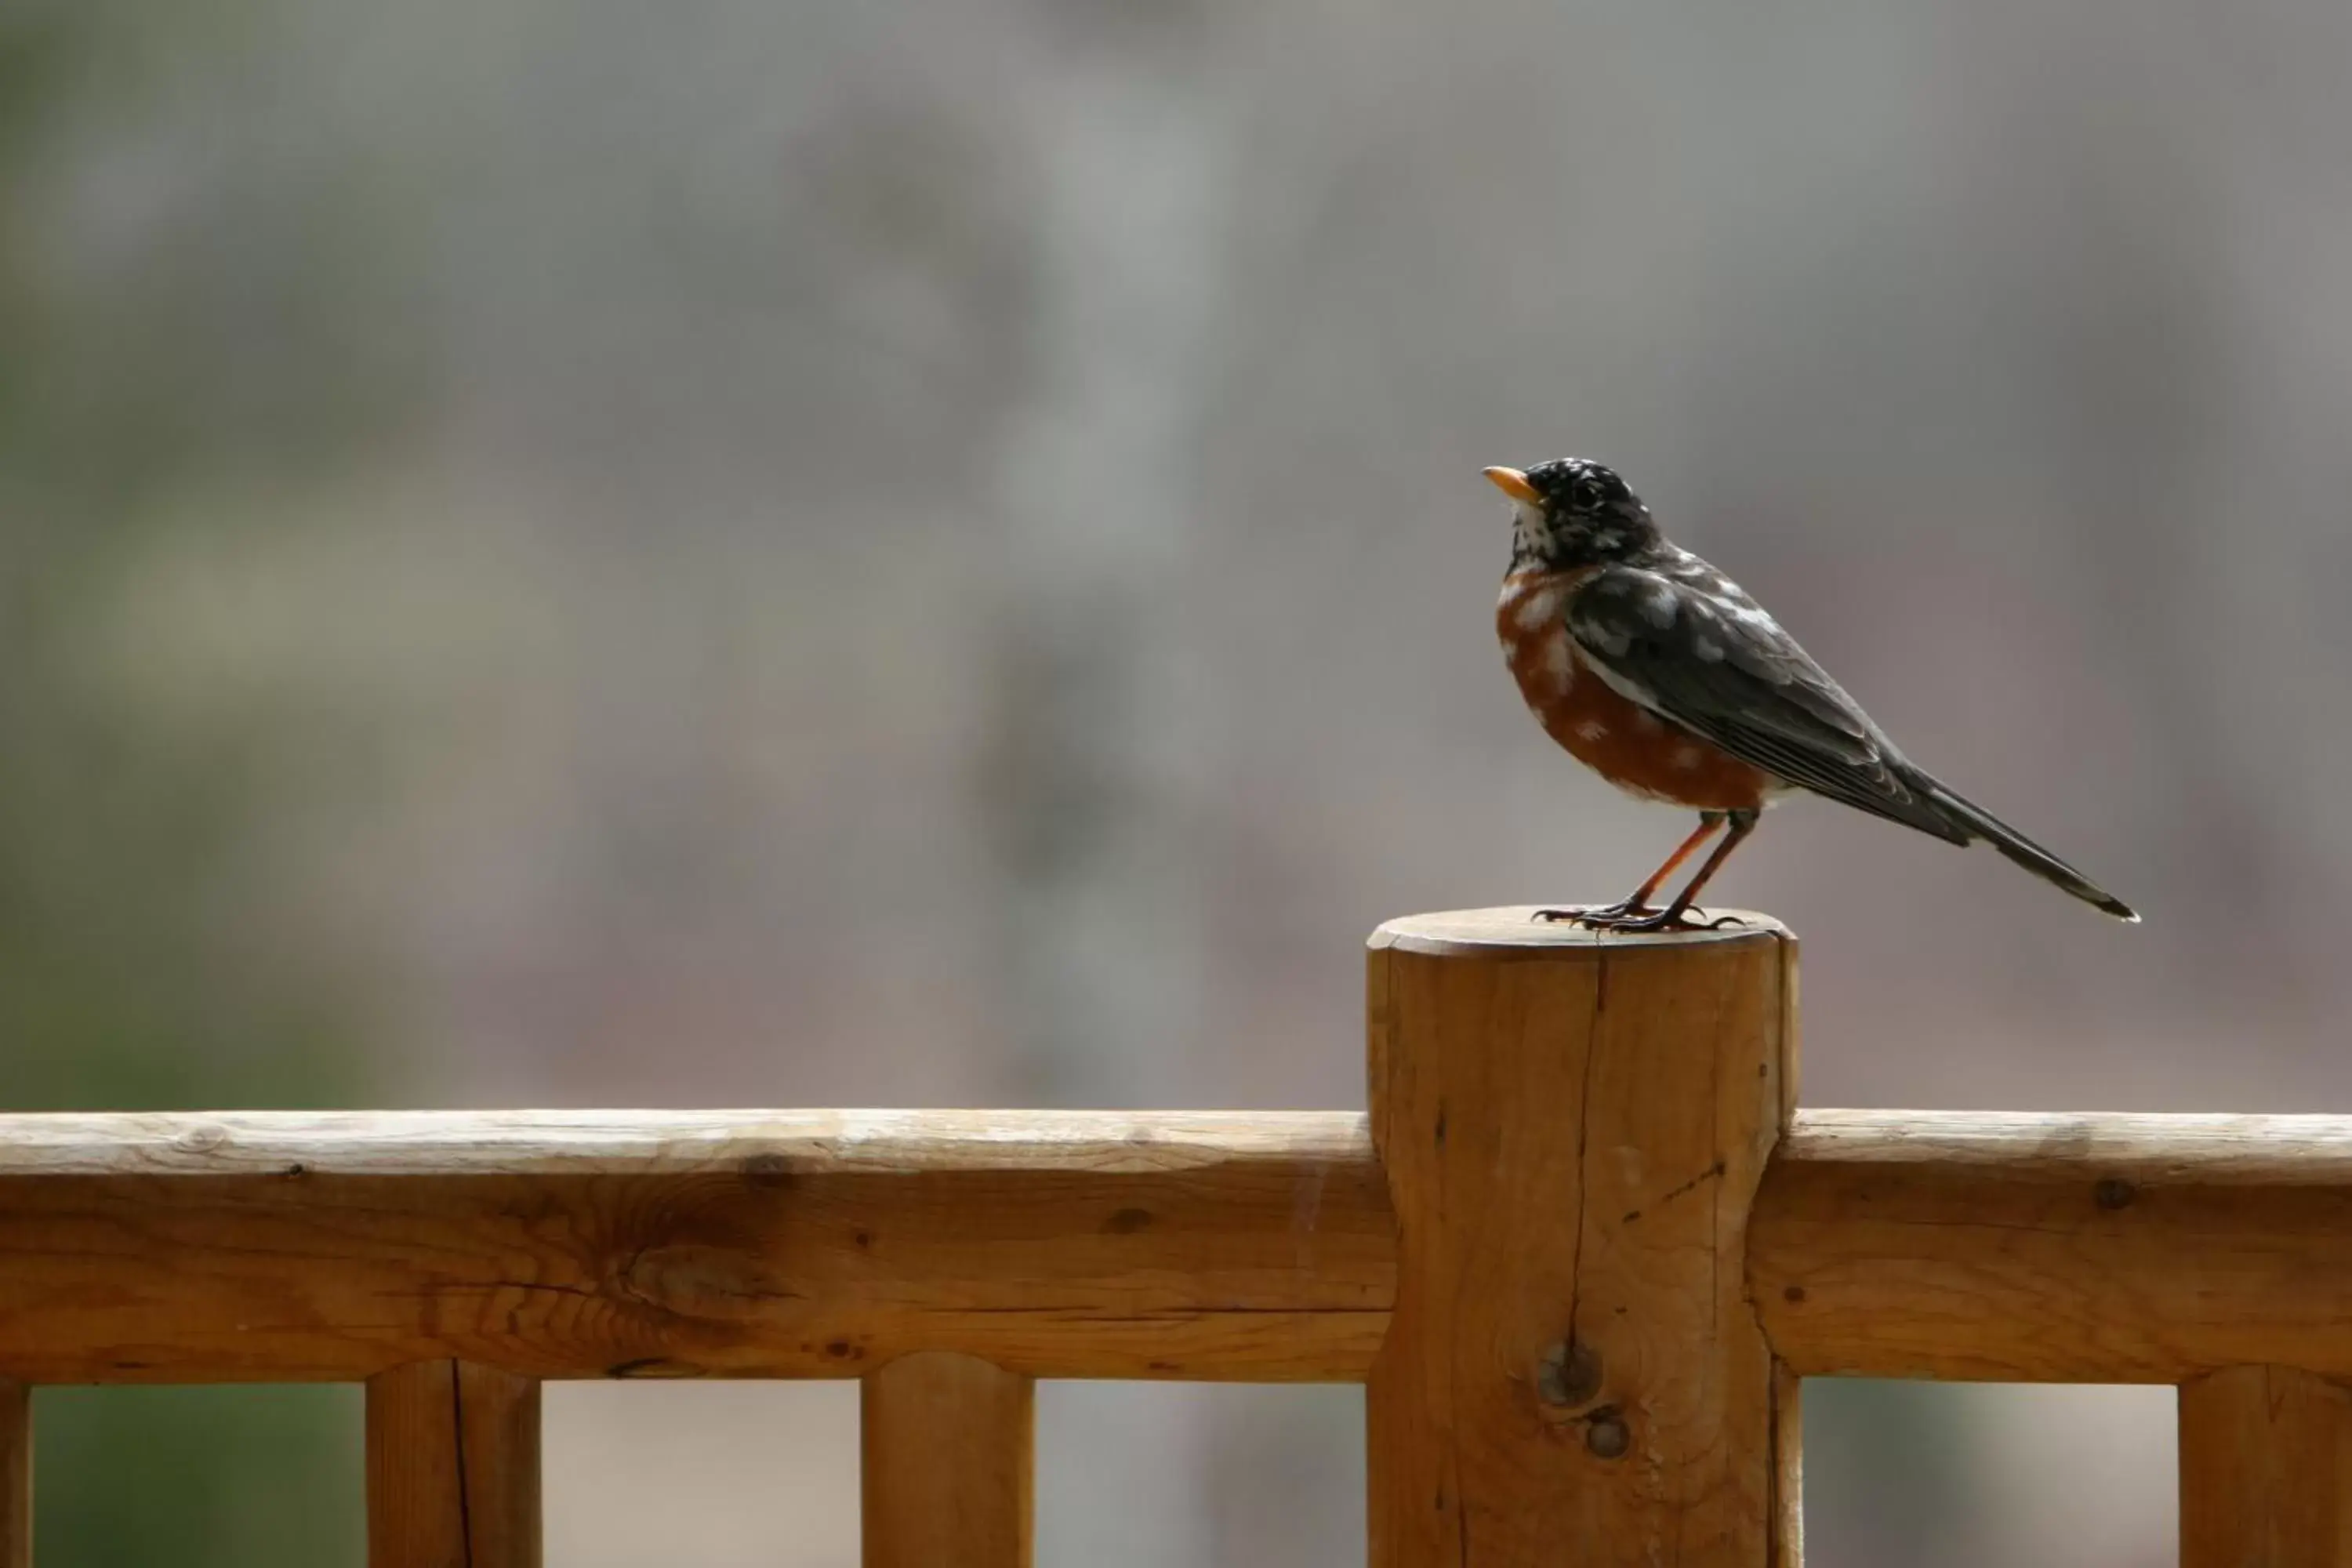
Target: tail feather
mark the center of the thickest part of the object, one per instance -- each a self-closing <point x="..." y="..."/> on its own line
<point x="1978" y="823"/>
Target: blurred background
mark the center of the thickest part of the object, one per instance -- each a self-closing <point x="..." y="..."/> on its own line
<point x="565" y="553"/>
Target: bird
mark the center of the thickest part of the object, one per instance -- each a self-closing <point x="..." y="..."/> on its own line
<point x="1666" y="678"/>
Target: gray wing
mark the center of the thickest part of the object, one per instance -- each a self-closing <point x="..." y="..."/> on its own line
<point x="1696" y="651"/>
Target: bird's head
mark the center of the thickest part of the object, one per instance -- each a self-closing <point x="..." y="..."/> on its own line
<point x="1569" y="512"/>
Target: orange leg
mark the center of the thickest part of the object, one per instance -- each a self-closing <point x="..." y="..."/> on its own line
<point x="1743" y="823"/>
<point x="1639" y="904"/>
<point x="1671" y="918"/>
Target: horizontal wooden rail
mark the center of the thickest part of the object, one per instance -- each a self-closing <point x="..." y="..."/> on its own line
<point x="1581" y="1254"/>
<point x="2056" y="1249"/>
<point x="1252" y="1248"/>
<point x="269" y="1247"/>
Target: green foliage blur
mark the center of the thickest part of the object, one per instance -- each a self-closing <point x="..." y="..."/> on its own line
<point x="214" y="1475"/>
<point x="126" y="981"/>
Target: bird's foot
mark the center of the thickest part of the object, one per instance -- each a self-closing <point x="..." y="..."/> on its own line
<point x="1634" y="918"/>
<point x="1623" y="909"/>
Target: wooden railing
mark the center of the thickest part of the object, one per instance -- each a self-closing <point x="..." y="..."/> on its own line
<point x="1581" y="1255"/>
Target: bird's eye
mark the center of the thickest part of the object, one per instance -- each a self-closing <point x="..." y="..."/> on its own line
<point x="1589" y="492"/>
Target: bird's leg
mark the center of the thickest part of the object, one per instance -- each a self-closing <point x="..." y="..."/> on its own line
<point x="1639" y="903"/>
<point x="1674" y="916"/>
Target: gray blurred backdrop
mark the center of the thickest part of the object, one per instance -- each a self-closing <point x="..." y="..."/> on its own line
<point x="570" y="552"/>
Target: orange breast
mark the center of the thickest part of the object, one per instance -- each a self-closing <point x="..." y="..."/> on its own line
<point x="1617" y="738"/>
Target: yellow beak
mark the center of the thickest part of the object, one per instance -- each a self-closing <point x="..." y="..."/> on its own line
<point x="1514" y="484"/>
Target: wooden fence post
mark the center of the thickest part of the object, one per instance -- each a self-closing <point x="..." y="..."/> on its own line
<point x="948" y="1444"/>
<point x="15" y="1475"/>
<point x="452" y="1467"/>
<point x="1573" y="1128"/>
<point x="2265" y="1471"/>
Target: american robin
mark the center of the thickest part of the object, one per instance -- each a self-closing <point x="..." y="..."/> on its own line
<point x="1660" y="674"/>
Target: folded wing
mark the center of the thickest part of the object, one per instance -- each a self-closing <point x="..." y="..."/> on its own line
<point x="1696" y="651"/>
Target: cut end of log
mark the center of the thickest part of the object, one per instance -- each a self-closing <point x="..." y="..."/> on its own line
<point x="1516" y="926"/>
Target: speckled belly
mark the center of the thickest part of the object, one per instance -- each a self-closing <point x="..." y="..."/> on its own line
<point x="1617" y="738"/>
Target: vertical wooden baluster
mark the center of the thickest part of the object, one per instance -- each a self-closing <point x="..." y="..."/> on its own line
<point x="452" y="1467"/>
<point x="2265" y="1471"/>
<point x="1789" y="1469"/>
<point x="950" y="1447"/>
<point x="15" y="1475"/>
<point x="1572" y="1129"/>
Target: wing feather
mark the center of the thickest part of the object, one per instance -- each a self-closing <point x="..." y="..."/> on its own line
<point x="1698" y="653"/>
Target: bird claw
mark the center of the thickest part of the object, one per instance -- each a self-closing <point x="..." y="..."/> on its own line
<point x="1604" y="913"/>
<point x="1624" y="918"/>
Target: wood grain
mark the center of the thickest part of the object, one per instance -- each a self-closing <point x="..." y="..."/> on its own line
<point x="950" y="1447"/>
<point x="2265" y="1471"/>
<point x="1572" y="1129"/>
<point x="15" y="1475"/>
<point x="453" y="1461"/>
<point x="280" y="1247"/>
<point x="2056" y="1249"/>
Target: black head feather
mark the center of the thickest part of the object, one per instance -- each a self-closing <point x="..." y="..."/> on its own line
<point x="1583" y="515"/>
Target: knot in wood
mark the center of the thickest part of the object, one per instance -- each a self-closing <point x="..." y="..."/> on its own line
<point x="1606" y="1435"/>
<point x="696" y="1280"/>
<point x="1569" y="1375"/>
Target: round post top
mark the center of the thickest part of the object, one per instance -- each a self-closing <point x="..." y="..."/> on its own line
<point x="1514" y="927"/>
